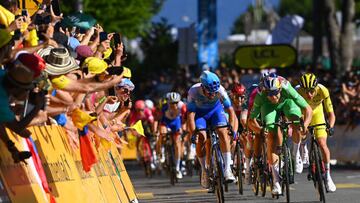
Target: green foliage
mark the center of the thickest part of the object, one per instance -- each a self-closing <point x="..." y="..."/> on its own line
<point x="130" y="18"/>
<point x="238" y="26"/>
<point x="159" y="48"/>
<point x="302" y="8"/>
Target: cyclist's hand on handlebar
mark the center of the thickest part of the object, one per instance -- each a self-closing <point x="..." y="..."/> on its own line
<point x="331" y="131"/>
<point x="194" y="138"/>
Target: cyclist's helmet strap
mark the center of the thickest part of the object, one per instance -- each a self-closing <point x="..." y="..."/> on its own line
<point x="308" y="81"/>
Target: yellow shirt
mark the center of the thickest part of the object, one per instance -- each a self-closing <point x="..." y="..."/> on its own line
<point x="322" y="97"/>
<point x="60" y="82"/>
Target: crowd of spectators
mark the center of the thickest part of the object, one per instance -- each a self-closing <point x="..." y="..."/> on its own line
<point x="343" y="92"/>
<point x="54" y="74"/>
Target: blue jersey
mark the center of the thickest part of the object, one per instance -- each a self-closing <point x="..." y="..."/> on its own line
<point x="198" y="101"/>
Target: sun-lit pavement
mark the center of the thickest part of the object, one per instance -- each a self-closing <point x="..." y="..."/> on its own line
<point x="158" y="188"/>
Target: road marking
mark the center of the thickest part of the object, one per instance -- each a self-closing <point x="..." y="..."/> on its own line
<point x="351" y="177"/>
<point x="196" y="191"/>
<point x="347" y="185"/>
<point x="145" y="195"/>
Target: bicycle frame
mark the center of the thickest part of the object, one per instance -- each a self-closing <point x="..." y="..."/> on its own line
<point x="317" y="169"/>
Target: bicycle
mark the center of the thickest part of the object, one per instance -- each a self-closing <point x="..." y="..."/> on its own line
<point x="286" y="172"/>
<point x="260" y="170"/>
<point x="216" y="168"/>
<point x="316" y="169"/>
<point x="170" y="157"/>
<point x="238" y="167"/>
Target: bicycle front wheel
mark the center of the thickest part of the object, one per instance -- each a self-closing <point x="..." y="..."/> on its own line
<point x="319" y="183"/>
<point x="263" y="177"/>
<point x="239" y="168"/>
<point x="285" y="175"/>
<point x="218" y="176"/>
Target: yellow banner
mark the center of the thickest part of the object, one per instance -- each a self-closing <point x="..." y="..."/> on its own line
<point x="31" y="5"/>
<point x="265" y="56"/>
<point x="63" y="169"/>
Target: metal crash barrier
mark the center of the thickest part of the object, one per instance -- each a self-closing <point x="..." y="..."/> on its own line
<point x="107" y="181"/>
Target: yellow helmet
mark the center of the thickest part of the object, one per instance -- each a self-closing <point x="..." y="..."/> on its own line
<point x="308" y="81"/>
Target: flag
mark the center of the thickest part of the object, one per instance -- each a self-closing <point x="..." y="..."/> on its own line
<point x="138" y="127"/>
<point x="39" y="168"/>
<point x="81" y="118"/>
<point x="87" y="152"/>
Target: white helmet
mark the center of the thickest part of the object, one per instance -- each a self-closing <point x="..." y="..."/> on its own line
<point x="173" y="97"/>
<point x="149" y="104"/>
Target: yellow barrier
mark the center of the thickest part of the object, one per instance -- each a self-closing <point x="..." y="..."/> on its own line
<point x="63" y="169"/>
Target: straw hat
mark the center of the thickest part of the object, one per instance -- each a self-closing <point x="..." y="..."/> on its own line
<point x="58" y="60"/>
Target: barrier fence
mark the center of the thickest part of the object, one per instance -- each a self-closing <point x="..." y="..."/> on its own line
<point x="108" y="180"/>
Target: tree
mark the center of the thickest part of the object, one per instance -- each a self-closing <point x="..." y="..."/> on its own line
<point x="131" y="18"/>
<point x="160" y="49"/>
<point x="302" y="8"/>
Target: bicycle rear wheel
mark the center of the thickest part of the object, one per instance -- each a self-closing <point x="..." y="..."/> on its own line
<point x="318" y="177"/>
<point x="255" y="178"/>
<point x="239" y="168"/>
<point x="218" y="176"/>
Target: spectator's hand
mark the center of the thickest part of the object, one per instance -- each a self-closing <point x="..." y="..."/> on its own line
<point x="112" y="99"/>
<point x="55" y="18"/>
<point x="16" y="24"/>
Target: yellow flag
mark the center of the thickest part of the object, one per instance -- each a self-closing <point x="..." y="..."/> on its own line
<point x="81" y="118"/>
<point x="138" y="127"/>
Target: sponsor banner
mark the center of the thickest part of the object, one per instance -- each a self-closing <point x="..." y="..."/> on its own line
<point x="64" y="172"/>
<point x="265" y="56"/>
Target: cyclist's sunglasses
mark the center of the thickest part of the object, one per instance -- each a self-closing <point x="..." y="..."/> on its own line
<point x="272" y="92"/>
<point x="207" y="91"/>
<point x="310" y="90"/>
<point x="173" y="102"/>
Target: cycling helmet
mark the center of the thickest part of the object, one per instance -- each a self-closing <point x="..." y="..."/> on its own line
<point x="173" y="97"/>
<point x="308" y="81"/>
<point x="238" y="89"/>
<point x="210" y="81"/>
<point x="126" y="83"/>
<point x="149" y="104"/>
<point x="140" y="104"/>
<point x="272" y="84"/>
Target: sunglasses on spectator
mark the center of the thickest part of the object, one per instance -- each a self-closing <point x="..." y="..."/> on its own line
<point x="123" y="90"/>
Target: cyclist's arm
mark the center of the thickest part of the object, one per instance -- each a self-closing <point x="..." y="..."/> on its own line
<point x="328" y="107"/>
<point x="243" y="117"/>
<point x="255" y="112"/>
<point x="232" y="118"/>
<point x="191" y="122"/>
<point x="301" y="102"/>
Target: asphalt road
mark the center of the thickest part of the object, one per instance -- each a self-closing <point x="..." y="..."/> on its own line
<point x="158" y="188"/>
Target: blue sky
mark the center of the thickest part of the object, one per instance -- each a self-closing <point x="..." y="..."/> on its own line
<point x="182" y="13"/>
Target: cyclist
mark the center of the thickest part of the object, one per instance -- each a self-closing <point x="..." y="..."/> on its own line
<point x="239" y="100"/>
<point x="173" y="113"/>
<point x="318" y="95"/>
<point x="206" y="103"/>
<point x="278" y="95"/>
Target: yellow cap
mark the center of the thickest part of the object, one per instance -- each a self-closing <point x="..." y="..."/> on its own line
<point x="107" y="53"/>
<point x="81" y="118"/>
<point x="95" y="65"/>
<point x="127" y="72"/>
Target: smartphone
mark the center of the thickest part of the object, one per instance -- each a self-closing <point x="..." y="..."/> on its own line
<point x="111" y="91"/>
<point x="24" y="12"/>
<point x="56" y="7"/>
<point x="103" y="36"/>
<point x="115" y="70"/>
<point x="117" y="39"/>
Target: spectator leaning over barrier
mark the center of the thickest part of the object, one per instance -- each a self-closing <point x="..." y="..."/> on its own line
<point x="16" y="82"/>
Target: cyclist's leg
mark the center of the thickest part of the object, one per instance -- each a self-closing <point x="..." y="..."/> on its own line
<point x="163" y="131"/>
<point x="321" y="137"/>
<point x="218" y="119"/>
<point x="202" y="154"/>
<point x="175" y="126"/>
<point x="269" y="116"/>
<point x="293" y="112"/>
